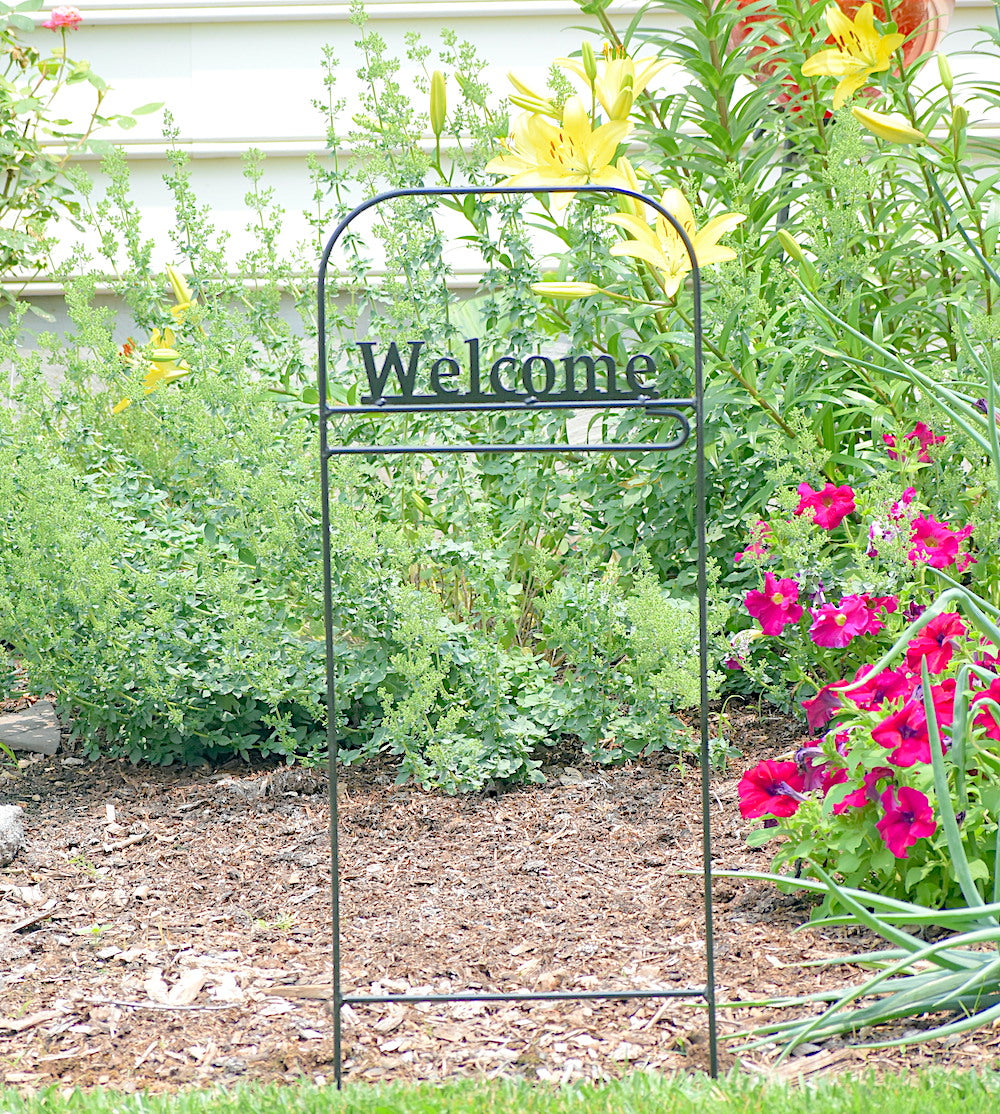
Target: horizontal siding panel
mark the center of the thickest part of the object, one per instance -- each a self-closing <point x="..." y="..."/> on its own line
<point x="266" y="11"/>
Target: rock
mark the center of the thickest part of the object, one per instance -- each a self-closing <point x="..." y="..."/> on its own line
<point x="34" y="729"/>
<point x="11" y="833"/>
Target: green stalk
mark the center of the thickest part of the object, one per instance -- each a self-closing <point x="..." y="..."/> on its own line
<point x="956" y="847"/>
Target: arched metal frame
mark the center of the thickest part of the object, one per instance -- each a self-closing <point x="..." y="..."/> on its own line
<point x="673" y="408"/>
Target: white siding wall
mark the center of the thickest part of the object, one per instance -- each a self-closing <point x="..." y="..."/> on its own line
<point x="242" y="73"/>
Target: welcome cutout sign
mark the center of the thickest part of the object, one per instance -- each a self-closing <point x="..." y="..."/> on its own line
<point x="418" y="376"/>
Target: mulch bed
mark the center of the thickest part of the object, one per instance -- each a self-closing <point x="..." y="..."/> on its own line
<point x="170" y="928"/>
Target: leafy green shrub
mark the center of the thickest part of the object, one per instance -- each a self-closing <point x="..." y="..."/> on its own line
<point x="36" y="185"/>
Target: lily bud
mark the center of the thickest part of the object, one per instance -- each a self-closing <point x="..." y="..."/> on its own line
<point x="791" y="245"/>
<point x="178" y="284"/>
<point x="622" y="105"/>
<point x="893" y="127"/>
<point x="439" y="103"/>
<point x="959" y="118"/>
<point x="944" y="70"/>
<point x="589" y="62"/>
<point x="566" y="290"/>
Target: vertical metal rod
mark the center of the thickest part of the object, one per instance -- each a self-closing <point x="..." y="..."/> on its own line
<point x="331" y="679"/>
<point x="701" y="500"/>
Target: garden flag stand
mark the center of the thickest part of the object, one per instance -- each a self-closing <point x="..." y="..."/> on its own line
<point x="510" y="385"/>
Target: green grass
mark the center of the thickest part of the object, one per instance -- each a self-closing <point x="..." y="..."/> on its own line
<point x="928" y="1092"/>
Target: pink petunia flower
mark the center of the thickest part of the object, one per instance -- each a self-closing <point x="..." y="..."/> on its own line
<point x="63" y="17"/>
<point x="814" y="769"/>
<point x="898" y="511"/>
<point x="757" y="547"/>
<point x="987" y="717"/>
<point x="776" y="606"/>
<point x="836" y="626"/>
<point x="936" y="643"/>
<point x="905" y="734"/>
<point x="889" y="439"/>
<point x="908" y="817"/>
<point x="890" y="684"/>
<point x="829" y="507"/>
<point x="938" y="545"/>
<point x="887" y="605"/>
<point x="820" y="708"/>
<point x="926" y="437"/>
<point x="867" y="793"/>
<point x="770" y="789"/>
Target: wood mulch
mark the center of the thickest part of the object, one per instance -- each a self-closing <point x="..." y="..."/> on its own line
<point x="171" y="928"/>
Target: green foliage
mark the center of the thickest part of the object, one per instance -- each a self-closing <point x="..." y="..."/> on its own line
<point x="954" y="978"/>
<point x="36" y="187"/>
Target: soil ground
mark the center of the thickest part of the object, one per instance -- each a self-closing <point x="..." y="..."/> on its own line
<point x="171" y="928"/>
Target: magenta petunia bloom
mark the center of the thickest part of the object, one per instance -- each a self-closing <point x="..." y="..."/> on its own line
<point x="776" y="606"/>
<point x="836" y="626"/>
<point x="908" y="817"/>
<point x="829" y="507"/>
<point x="926" y="437"/>
<point x="890" y="684"/>
<point x="987" y="717"/>
<point x="905" y="734"/>
<point x="820" y="708"/>
<point x="938" y="545"/>
<point x="63" y="17"/>
<point x="757" y="546"/>
<point x="874" y="605"/>
<point x="867" y="793"/>
<point x="770" y="789"/>
<point x="936" y="643"/>
<point x="814" y="769"/>
<point x="898" y="511"/>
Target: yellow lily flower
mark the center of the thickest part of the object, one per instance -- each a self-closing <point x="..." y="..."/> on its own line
<point x="664" y="251"/>
<point x="573" y="153"/>
<point x="630" y="181"/>
<point x="861" y="51"/>
<point x="619" y="80"/>
<point x="164" y="365"/>
<point x="890" y="126"/>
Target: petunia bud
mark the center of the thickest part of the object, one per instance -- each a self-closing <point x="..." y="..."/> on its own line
<point x="589" y="62"/>
<point x="944" y="69"/>
<point x="439" y="103"/>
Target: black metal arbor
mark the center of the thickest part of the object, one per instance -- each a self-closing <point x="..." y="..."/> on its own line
<point x="497" y="396"/>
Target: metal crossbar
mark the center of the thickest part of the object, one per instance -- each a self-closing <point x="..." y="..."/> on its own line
<point x="592" y="399"/>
